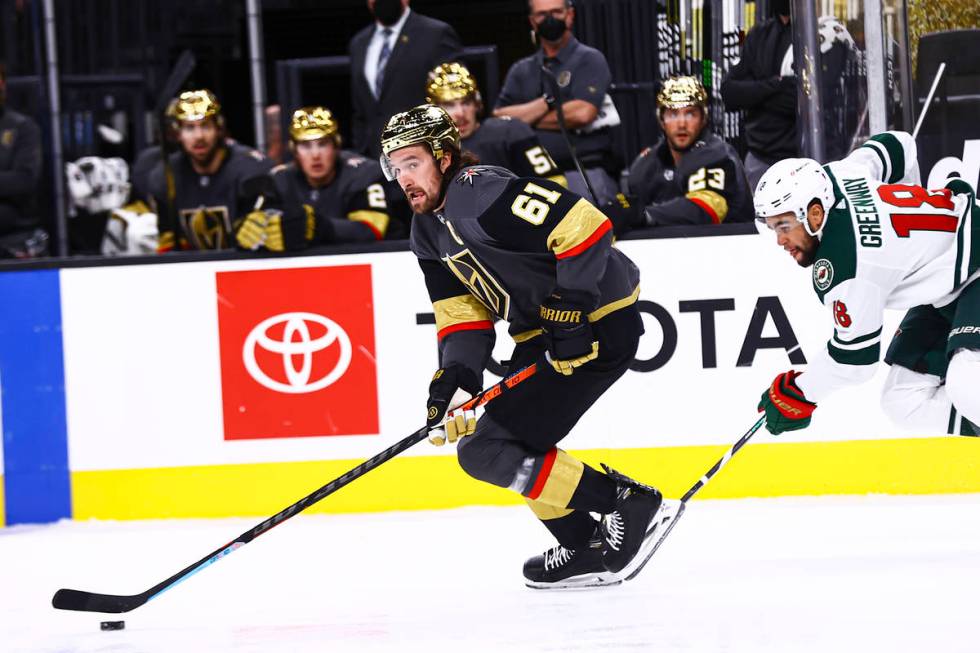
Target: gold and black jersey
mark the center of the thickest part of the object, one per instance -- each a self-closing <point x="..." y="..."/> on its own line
<point x="512" y="144"/>
<point x="208" y="208"/>
<point x="502" y="245"/>
<point x="351" y="208"/>
<point x="708" y="186"/>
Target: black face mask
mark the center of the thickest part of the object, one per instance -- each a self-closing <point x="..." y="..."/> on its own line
<point x="387" y="12"/>
<point x="551" y="29"/>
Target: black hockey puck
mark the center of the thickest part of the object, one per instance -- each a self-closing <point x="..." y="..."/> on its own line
<point x="112" y="625"/>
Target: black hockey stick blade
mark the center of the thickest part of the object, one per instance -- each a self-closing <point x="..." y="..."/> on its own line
<point x="68" y="599"/>
<point x="89" y="602"/>
<point x="178" y="75"/>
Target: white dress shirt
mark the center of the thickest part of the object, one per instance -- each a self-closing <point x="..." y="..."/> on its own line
<point x="374" y="47"/>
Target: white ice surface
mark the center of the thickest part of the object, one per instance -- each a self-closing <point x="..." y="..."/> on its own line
<point x="836" y="574"/>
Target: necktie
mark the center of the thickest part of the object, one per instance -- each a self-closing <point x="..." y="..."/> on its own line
<point x="382" y="61"/>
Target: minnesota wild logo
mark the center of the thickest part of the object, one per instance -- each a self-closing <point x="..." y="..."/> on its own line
<point x="823" y="274"/>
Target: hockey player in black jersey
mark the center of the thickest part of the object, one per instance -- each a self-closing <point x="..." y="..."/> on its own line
<point x="690" y="176"/>
<point x="210" y="177"/>
<point x="491" y="246"/>
<point x="503" y="142"/>
<point x="327" y="195"/>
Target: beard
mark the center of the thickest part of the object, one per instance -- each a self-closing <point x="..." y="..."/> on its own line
<point x="424" y="203"/>
<point x="206" y="158"/>
<point x="808" y="255"/>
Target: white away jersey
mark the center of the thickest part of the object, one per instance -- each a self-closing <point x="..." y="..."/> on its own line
<point x="887" y="243"/>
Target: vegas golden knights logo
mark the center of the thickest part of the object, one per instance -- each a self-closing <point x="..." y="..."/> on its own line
<point x="207" y="227"/>
<point x="480" y="282"/>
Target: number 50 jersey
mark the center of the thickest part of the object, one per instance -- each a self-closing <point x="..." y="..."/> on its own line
<point x="887" y="243"/>
<point x="501" y="245"/>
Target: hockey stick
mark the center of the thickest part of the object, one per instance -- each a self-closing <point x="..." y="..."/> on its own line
<point x="553" y="88"/>
<point x="928" y="102"/>
<point x="665" y="521"/>
<point x="67" y="599"/>
<point x="181" y="71"/>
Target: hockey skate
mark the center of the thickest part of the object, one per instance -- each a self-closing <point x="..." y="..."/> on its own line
<point x="630" y="532"/>
<point x="561" y="568"/>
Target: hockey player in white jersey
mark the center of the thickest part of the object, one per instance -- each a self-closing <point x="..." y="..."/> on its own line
<point x="876" y="239"/>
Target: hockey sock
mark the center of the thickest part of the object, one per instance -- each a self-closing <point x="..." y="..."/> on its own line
<point x="562" y="481"/>
<point x="596" y="492"/>
<point x="572" y="528"/>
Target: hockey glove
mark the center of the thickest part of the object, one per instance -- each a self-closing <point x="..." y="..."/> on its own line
<point x="451" y="387"/>
<point x="567" y="331"/>
<point x="785" y="406"/>
<point x="251" y="235"/>
<point x="273" y="232"/>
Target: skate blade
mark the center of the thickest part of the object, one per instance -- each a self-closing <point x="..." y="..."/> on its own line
<point x="582" y="582"/>
<point x="660" y="527"/>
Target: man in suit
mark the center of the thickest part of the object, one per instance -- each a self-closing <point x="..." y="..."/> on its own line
<point x="390" y="62"/>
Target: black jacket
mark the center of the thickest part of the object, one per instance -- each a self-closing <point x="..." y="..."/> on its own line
<point x="423" y="44"/>
<point x="20" y="171"/>
<point x="754" y="86"/>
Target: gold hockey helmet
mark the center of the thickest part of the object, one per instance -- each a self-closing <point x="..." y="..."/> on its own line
<point x="424" y="124"/>
<point x="680" y="92"/>
<point x="449" y="82"/>
<point x="313" y="123"/>
<point x="197" y="105"/>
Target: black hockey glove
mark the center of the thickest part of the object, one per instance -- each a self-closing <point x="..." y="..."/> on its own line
<point x="451" y="386"/>
<point x="625" y="213"/>
<point x="565" y="321"/>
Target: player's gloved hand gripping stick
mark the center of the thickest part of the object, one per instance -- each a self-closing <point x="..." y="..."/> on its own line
<point x="565" y="322"/>
<point x="67" y="599"/>
<point x="785" y="406"/>
<point x="451" y="391"/>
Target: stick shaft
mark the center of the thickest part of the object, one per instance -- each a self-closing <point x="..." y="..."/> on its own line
<point x="67" y="599"/>
<point x="932" y="91"/>
<point x="723" y="460"/>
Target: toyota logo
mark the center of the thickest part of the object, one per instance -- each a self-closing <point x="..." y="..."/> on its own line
<point x="296" y="324"/>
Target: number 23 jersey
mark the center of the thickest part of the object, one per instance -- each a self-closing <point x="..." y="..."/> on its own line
<point x="503" y="243"/>
<point x="887" y="243"/>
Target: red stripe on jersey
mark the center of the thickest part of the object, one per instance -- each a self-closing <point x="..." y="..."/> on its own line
<point x="588" y="242"/>
<point x="549" y="462"/>
<point x="465" y="326"/>
<point x="377" y="234"/>
<point x="707" y="209"/>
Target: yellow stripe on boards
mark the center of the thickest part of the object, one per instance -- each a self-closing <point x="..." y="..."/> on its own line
<point x="409" y="483"/>
<point x="900" y="466"/>
<point x="776" y="469"/>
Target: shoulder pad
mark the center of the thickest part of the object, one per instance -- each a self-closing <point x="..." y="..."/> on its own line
<point x="477" y="174"/>
<point x="279" y="168"/>
<point x="474" y="189"/>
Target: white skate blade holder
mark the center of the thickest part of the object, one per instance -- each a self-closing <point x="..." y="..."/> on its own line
<point x="581" y="582"/>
